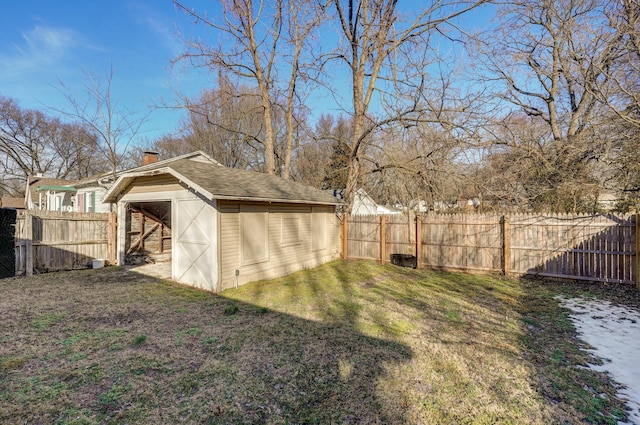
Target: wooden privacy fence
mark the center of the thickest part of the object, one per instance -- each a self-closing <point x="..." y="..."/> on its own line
<point x="51" y="240"/>
<point x="600" y="248"/>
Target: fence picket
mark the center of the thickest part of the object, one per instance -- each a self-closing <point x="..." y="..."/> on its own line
<point x="601" y="248"/>
<point x="51" y="240"/>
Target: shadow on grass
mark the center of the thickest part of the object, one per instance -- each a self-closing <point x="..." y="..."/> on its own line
<point x="112" y="346"/>
<point x="463" y="331"/>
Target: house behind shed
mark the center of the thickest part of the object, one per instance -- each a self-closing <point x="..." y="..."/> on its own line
<point x="228" y="226"/>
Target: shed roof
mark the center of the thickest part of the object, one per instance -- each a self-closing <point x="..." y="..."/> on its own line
<point x="217" y="182"/>
<point x="106" y="178"/>
<point x="33" y="182"/>
<point x="17" y="203"/>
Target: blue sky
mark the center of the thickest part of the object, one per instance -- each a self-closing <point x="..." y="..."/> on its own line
<point x="47" y="41"/>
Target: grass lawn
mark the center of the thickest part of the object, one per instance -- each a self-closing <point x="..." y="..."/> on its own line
<point x="347" y="342"/>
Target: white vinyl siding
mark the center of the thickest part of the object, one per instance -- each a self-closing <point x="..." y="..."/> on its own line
<point x="291" y="231"/>
<point x="89" y="199"/>
<point x="254" y="239"/>
<point x="319" y="234"/>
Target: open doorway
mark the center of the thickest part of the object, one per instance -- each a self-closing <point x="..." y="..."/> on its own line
<point x="148" y="237"/>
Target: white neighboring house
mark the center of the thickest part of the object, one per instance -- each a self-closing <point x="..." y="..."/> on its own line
<point x="607" y="201"/>
<point x="388" y="210"/>
<point x="363" y="204"/>
<point x="89" y="194"/>
<point x="44" y="193"/>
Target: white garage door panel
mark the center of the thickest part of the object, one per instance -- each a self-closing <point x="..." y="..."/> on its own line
<point x="195" y="266"/>
<point x="194" y="258"/>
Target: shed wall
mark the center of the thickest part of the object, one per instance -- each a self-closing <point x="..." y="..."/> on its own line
<point x="296" y="237"/>
<point x="194" y="219"/>
<point x="160" y="183"/>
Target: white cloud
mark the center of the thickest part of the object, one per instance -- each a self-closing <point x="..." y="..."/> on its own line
<point x="41" y="49"/>
<point x="50" y="42"/>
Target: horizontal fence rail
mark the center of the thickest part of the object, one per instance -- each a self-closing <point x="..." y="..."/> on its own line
<point x="50" y="240"/>
<point x="598" y="248"/>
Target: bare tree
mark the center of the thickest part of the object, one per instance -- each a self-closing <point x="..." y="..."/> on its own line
<point x="115" y="125"/>
<point x="559" y="63"/>
<point x="408" y="165"/>
<point x="623" y="20"/>
<point x="551" y="57"/>
<point x="33" y="143"/>
<point x="388" y="57"/>
<point x="263" y="43"/>
<point x="526" y="169"/>
<point x="227" y="124"/>
<point x="335" y="134"/>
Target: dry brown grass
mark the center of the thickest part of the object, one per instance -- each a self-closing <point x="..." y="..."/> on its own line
<point x="347" y="342"/>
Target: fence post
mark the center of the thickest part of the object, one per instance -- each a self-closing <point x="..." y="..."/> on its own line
<point x="112" y="236"/>
<point x="383" y="238"/>
<point x="344" y="235"/>
<point x="506" y="245"/>
<point x="638" y="251"/>
<point x="28" y="243"/>
<point x="418" y="240"/>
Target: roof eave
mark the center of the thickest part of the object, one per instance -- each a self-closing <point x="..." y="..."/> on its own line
<point x="126" y="178"/>
<point x="275" y="200"/>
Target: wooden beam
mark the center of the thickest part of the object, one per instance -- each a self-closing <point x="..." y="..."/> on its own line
<point x="147" y="214"/>
<point x="141" y="240"/>
<point x="113" y="237"/>
<point x="71" y="243"/>
<point x="135" y="244"/>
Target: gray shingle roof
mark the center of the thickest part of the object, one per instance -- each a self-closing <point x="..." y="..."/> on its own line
<point x="17" y="203"/>
<point x="219" y="182"/>
<point x="232" y="183"/>
<point x="108" y="176"/>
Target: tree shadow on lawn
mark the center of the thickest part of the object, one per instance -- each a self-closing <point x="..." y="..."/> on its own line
<point x="463" y="330"/>
<point x="111" y="346"/>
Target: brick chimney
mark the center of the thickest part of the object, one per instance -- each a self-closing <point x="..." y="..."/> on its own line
<point x="149" y="157"/>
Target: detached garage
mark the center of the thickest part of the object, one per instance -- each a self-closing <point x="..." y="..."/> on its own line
<point x="224" y="227"/>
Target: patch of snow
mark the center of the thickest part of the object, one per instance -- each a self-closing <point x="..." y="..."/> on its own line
<point x="614" y="332"/>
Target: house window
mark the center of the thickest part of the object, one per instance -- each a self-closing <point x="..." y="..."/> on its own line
<point x="86" y="202"/>
<point x="57" y="201"/>
<point x="290" y="231"/>
<point x="254" y="240"/>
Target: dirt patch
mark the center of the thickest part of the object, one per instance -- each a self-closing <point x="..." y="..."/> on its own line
<point x="159" y="270"/>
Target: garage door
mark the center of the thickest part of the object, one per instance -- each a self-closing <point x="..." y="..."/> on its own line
<point x="194" y="259"/>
